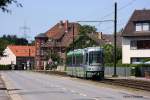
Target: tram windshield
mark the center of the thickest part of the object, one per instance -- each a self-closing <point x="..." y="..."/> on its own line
<point x="95" y="58"/>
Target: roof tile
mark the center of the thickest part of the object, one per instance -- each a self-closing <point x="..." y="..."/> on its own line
<point x="22" y="51"/>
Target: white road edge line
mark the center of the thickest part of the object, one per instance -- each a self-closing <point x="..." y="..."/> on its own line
<point x="64" y="89"/>
<point x="13" y="95"/>
<point x="82" y="94"/>
<point x="95" y="98"/>
<point x="73" y="91"/>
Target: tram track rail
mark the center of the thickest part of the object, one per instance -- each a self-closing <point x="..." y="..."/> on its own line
<point x="131" y="83"/>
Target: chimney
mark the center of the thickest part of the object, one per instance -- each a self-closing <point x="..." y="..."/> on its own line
<point x="60" y="24"/>
<point x="100" y="35"/>
<point x="66" y="25"/>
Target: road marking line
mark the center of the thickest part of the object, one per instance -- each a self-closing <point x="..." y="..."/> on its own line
<point x="13" y="94"/>
<point x="82" y="94"/>
<point x="64" y="88"/>
<point x="95" y="98"/>
<point x="73" y="91"/>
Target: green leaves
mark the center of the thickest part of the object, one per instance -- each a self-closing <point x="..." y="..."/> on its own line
<point x="3" y="45"/>
<point x="11" y="39"/>
<point x="83" y="40"/>
<point x="54" y="56"/>
<point x="4" y="5"/>
<point x="85" y="29"/>
<point x="109" y="53"/>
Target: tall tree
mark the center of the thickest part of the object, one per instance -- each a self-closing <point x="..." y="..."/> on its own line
<point x="5" y="3"/>
<point x="3" y="45"/>
<point x="87" y="29"/>
<point x="83" y="41"/>
<point x="11" y="39"/>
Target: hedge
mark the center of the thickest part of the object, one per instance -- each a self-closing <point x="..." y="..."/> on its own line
<point x="5" y="67"/>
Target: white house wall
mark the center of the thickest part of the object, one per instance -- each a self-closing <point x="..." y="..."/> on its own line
<point x="10" y="58"/>
<point x="127" y="53"/>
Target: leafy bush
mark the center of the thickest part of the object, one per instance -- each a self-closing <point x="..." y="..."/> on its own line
<point x="127" y="65"/>
<point x="5" y="67"/>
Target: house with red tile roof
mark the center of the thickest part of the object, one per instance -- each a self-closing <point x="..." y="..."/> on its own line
<point x="20" y="56"/>
<point x="56" y="39"/>
<point x="59" y="37"/>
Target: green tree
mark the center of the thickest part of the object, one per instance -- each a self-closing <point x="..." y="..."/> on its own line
<point x="3" y="45"/>
<point x="11" y="39"/>
<point x="83" y="40"/>
<point x="109" y="53"/>
<point x="87" y="29"/>
<point x="5" y="3"/>
<point x="55" y="59"/>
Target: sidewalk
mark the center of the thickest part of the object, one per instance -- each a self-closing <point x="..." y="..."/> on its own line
<point x="3" y="91"/>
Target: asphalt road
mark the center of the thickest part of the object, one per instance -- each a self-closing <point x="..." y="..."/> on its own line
<point x="3" y="92"/>
<point x="36" y="86"/>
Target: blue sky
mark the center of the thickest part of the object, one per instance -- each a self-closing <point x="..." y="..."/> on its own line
<point x="40" y="15"/>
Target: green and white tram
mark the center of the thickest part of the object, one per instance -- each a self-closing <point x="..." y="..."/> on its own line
<point x="86" y="63"/>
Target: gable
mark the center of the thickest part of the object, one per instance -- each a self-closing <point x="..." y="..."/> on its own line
<point x="142" y="16"/>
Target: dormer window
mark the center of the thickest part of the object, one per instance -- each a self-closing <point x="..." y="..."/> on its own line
<point x="146" y="26"/>
<point x="142" y="27"/>
<point x="138" y="27"/>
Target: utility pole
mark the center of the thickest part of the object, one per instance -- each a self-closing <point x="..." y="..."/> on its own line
<point x="73" y="60"/>
<point x="29" y="58"/>
<point x="115" y="39"/>
<point x="73" y="42"/>
<point x="73" y="35"/>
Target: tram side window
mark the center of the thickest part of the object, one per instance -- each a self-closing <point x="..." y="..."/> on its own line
<point x="69" y="60"/>
<point x="86" y="59"/>
<point x="95" y="58"/>
<point x="79" y="59"/>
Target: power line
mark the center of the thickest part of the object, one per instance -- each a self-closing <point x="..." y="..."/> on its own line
<point x="100" y="21"/>
<point x="128" y="4"/>
<point x="111" y="27"/>
<point x="121" y="8"/>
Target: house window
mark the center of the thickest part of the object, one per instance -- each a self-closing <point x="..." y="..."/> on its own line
<point x="42" y="52"/>
<point x="138" y="27"/>
<point x="140" y="44"/>
<point x="37" y="63"/>
<point x="140" y="60"/>
<point x="143" y="44"/>
<point x="142" y="27"/>
<point x="136" y="60"/>
<point x="133" y="45"/>
<point x="38" y="52"/>
<point x="146" y="26"/>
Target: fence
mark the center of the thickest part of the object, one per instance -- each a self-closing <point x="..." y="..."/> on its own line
<point x="121" y="71"/>
<point x="143" y="70"/>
